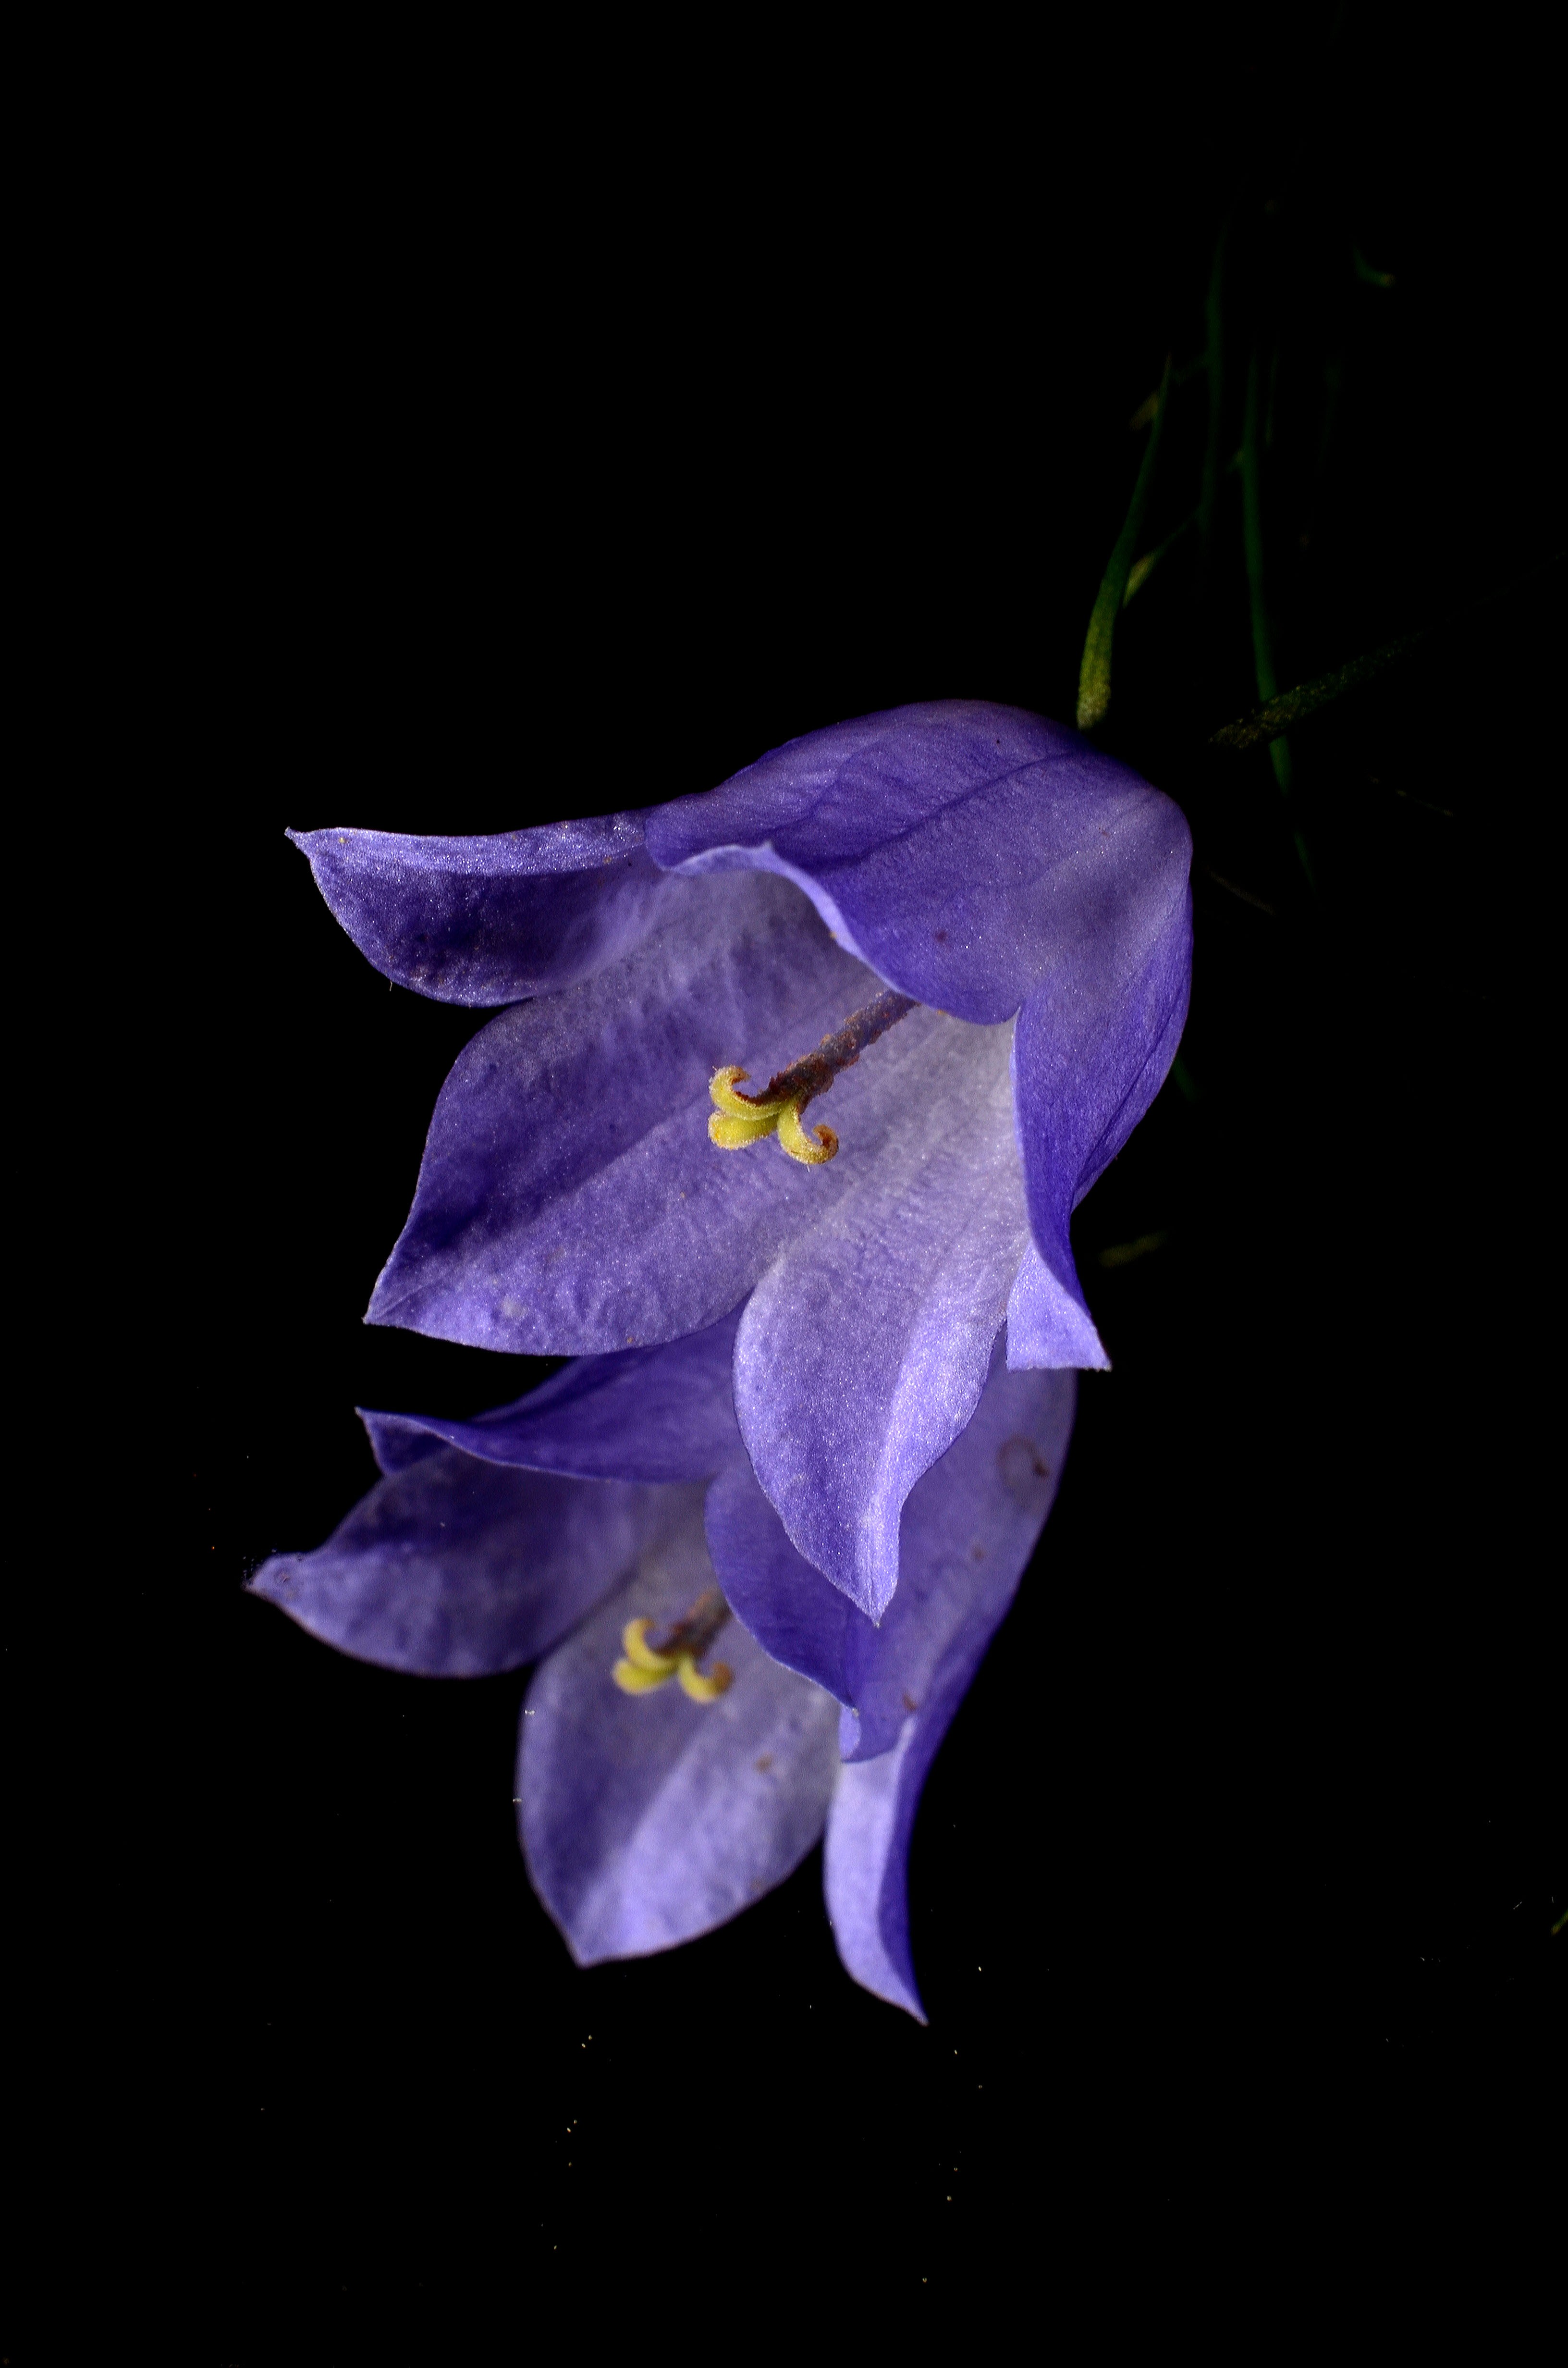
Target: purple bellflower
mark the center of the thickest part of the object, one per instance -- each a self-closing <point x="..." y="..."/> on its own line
<point x="610" y="1522"/>
<point x="819" y="1402"/>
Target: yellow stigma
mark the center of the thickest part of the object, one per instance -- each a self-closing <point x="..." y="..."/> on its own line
<point x="640" y="1654"/>
<point x="644" y="1668"/>
<point x="739" y="1119"/>
<point x="704" y="1689"/>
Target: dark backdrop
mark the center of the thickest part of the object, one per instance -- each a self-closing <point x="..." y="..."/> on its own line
<point x="1233" y="1885"/>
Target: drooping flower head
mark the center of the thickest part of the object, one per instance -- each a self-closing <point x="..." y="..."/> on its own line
<point x="973" y="929"/>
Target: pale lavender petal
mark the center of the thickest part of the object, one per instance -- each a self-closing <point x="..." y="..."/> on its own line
<point x="663" y="1414"/>
<point x="864" y="1348"/>
<point x="865" y="1860"/>
<point x="968" y="1529"/>
<point x="456" y="1568"/>
<point x="797" y="1615"/>
<point x="491" y="920"/>
<point x="962" y="849"/>
<point x="569" y="1201"/>
<point x="1093" y="1045"/>
<point x="995" y="1499"/>
<point x="647" y="1819"/>
<point x="1048" y="1323"/>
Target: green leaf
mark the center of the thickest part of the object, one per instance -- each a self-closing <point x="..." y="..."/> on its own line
<point x="1279" y="711"/>
<point x="1142" y="569"/>
<point x="1292" y="707"/>
<point x="1262" y="637"/>
<point x="1129" y="1253"/>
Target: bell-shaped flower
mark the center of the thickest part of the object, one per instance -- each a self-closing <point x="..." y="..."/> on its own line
<point x="966" y="923"/>
<point x="676" y="1761"/>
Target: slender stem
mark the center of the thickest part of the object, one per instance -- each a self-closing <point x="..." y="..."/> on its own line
<point x="1291" y="707"/>
<point x="816" y="1072"/>
<point x="697" y="1631"/>
<point x="1252" y="539"/>
<point x="1213" y="465"/>
<point x="1094" y="675"/>
<point x="1144" y="569"/>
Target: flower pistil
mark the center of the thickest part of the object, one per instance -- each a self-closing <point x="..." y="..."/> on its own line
<point x="741" y="1119"/>
<point x="646" y="1667"/>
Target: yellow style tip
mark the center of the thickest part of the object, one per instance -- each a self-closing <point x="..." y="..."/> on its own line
<point x="811" y="1145"/>
<point x="640" y="1654"/>
<point x="739" y="1119"/>
<point x="634" y="1681"/>
<point x="701" y="1689"/>
<point x="722" y="1092"/>
<point x="734" y="1133"/>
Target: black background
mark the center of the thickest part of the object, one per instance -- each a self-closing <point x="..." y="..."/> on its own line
<point x="508" y="496"/>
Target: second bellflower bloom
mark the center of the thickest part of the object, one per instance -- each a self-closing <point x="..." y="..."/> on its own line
<point x="616" y="1504"/>
<point x="1024" y="897"/>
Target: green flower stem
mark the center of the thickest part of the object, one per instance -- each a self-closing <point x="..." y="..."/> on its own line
<point x="1142" y="569"/>
<point x="1213" y="467"/>
<point x="1094" y="675"/>
<point x="1252" y="538"/>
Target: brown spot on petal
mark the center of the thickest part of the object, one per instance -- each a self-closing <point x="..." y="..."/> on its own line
<point x="910" y="1703"/>
<point x="764" y="1764"/>
<point x="1022" y="1468"/>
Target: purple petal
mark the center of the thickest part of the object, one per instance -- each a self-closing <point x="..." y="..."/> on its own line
<point x="797" y="1615"/>
<point x="491" y="920"/>
<point x="865" y="1863"/>
<point x="456" y="1568"/>
<point x="1048" y="1323"/>
<point x="968" y="1529"/>
<point x="648" y="1819"/>
<point x="569" y="1201"/>
<point x="663" y="1414"/>
<point x="864" y="1348"/>
<point x="1093" y="1045"/>
<point x="963" y="850"/>
<point x="991" y="1493"/>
